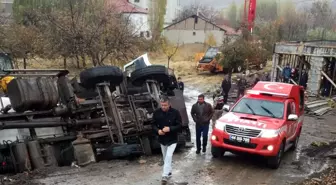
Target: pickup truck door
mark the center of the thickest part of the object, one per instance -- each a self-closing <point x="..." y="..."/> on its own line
<point x="291" y="125"/>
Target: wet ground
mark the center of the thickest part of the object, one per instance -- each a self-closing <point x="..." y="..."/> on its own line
<point x="203" y="169"/>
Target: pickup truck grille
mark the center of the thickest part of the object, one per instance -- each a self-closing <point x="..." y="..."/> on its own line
<point x="242" y="131"/>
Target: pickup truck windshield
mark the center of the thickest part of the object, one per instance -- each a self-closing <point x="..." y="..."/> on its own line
<point x="260" y="107"/>
<point x="211" y="53"/>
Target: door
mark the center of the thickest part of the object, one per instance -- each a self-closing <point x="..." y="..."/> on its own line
<point x="291" y="125"/>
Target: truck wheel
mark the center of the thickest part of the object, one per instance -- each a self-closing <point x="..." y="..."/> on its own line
<point x="275" y="161"/>
<point x="90" y="77"/>
<point x="295" y="142"/>
<point x="182" y="140"/>
<point x="153" y="72"/>
<point x="217" y="152"/>
<point x="146" y="145"/>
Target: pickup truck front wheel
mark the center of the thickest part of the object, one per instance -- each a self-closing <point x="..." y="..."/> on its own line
<point x="275" y="161"/>
<point x="217" y="152"/>
<point x="295" y="142"/>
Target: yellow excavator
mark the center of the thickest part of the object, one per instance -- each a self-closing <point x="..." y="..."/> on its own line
<point x="6" y="63"/>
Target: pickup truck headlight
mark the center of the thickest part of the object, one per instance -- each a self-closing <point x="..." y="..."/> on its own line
<point x="220" y="125"/>
<point x="269" y="133"/>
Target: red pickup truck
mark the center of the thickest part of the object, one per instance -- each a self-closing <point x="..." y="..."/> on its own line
<point x="266" y="121"/>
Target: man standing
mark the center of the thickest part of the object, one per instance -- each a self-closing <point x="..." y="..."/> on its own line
<point x="180" y="84"/>
<point x="201" y="113"/>
<point x="241" y="85"/>
<point x="226" y="86"/>
<point x="286" y="73"/>
<point x="167" y="123"/>
<point x="266" y="77"/>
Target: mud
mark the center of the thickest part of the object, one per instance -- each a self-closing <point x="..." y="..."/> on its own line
<point x="189" y="168"/>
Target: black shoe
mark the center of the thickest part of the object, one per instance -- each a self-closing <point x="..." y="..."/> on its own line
<point x="204" y="150"/>
<point x="198" y="151"/>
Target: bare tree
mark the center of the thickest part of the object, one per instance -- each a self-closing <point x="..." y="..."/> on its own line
<point x="169" y="49"/>
<point x="206" y="11"/>
<point x="88" y="28"/>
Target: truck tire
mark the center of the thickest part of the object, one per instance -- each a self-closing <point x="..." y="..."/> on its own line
<point x="296" y="141"/>
<point x="153" y="72"/>
<point x="217" y="152"/>
<point x="91" y="77"/>
<point x="275" y="161"/>
<point x="146" y="145"/>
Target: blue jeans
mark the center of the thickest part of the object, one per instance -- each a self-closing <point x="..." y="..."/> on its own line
<point x="202" y="130"/>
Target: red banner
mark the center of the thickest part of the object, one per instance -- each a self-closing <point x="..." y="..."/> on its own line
<point x="251" y="14"/>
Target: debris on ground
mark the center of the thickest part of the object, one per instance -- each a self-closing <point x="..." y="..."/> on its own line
<point x="327" y="177"/>
<point x="142" y="161"/>
<point x="320" y="149"/>
<point x="318" y="144"/>
<point x="319" y="107"/>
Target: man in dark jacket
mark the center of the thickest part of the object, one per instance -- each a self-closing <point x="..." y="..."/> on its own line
<point x="167" y="123"/>
<point x="286" y="73"/>
<point x="304" y="79"/>
<point x="256" y="79"/>
<point x="201" y="113"/>
<point x="226" y="86"/>
<point x="241" y="85"/>
<point x="180" y="84"/>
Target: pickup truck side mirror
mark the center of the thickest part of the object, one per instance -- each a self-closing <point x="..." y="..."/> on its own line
<point x="293" y="117"/>
<point x="226" y="108"/>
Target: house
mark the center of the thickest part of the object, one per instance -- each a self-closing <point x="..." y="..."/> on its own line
<point x="137" y="16"/>
<point x="197" y="29"/>
<point x="173" y="8"/>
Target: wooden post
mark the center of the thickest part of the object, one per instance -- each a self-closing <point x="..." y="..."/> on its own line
<point x="24" y="63"/>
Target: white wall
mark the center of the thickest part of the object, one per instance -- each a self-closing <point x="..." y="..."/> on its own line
<point x="193" y="36"/>
<point x="172" y="11"/>
<point x="141" y="3"/>
<point x="140" y="23"/>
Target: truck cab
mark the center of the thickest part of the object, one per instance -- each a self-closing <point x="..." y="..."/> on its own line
<point x="209" y="62"/>
<point x="266" y="121"/>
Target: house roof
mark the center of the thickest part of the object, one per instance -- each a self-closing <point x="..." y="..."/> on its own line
<point x="194" y="16"/>
<point x="123" y="6"/>
<point x="228" y="30"/>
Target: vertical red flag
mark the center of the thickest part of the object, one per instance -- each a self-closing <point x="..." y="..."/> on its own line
<point x="251" y="14"/>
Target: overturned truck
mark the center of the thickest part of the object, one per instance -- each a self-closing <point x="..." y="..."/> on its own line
<point x="49" y="120"/>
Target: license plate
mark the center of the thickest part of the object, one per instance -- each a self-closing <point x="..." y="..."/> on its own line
<point x="239" y="139"/>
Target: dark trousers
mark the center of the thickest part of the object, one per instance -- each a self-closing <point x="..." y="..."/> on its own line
<point x="202" y="130"/>
<point x="226" y="96"/>
<point x="286" y="80"/>
<point x="240" y="92"/>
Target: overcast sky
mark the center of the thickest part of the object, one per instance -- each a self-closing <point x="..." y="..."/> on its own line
<point x="214" y="3"/>
<point x="225" y="3"/>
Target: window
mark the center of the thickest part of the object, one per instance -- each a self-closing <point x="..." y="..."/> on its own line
<point x="5" y="62"/>
<point x="293" y="108"/>
<point x="259" y="107"/>
<point x="288" y="110"/>
<point x="194" y="33"/>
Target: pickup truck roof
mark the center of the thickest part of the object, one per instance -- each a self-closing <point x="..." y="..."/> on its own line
<point x="276" y="89"/>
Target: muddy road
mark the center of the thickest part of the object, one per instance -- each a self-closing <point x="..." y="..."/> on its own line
<point x="203" y="169"/>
